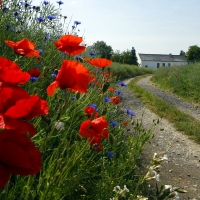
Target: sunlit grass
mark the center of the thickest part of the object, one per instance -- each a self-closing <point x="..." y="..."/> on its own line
<point x="182" y="122"/>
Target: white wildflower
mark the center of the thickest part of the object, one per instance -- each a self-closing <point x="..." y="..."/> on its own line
<point x="117" y="188"/>
<point x="126" y="189"/>
<point x="59" y="125"/>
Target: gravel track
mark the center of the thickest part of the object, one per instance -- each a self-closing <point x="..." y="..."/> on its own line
<point x="183" y="168"/>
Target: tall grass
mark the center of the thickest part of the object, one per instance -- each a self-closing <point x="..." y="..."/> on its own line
<point x="128" y="71"/>
<point x="71" y="167"/>
<point x="183" y="81"/>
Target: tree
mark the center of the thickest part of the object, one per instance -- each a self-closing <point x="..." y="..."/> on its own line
<point x="126" y="57"/>
<point x="193" y="54"/>
<point x="134" y="57"/>
<point x="102" y="49"/>
<point x="182" y="53"/>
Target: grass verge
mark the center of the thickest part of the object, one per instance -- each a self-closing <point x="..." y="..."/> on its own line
<point x="182" y="122"/>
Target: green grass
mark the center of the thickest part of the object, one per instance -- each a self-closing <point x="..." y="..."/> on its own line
<point x="128" y="71"/>
<point x="181" y="121"/>
<point x="183" y="81"/>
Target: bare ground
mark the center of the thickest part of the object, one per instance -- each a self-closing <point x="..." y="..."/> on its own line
<point x="183" y="168"/>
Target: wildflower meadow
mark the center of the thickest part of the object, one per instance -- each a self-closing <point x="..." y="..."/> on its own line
<point x="63" y="134"/>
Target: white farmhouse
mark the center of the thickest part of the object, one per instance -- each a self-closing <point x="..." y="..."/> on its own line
<point x="157" y="60"/>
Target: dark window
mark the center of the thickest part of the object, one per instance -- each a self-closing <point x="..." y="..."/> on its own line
<point x="163" y="64"/>
<point x="146" y="65"/>
<point x="169" y="64"/>
<point x="158" y="65"/>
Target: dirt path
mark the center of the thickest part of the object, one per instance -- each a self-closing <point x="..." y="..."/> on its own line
<point x="183" y="168"/>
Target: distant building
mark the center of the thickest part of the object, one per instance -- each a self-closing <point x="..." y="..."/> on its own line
<point x="158" y="60"/>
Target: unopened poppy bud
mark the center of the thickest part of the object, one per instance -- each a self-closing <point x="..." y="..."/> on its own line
<point x="104" y="111"/>
<point x="78" y="94"/>
<point x="46" y="119"/>
<point x="111" y="139"/>
<point x="56" y="71"/>
<point x="78" y="137"/>
<point x="105" y="87"/>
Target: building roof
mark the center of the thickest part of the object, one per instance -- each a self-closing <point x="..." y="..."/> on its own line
<point x="162" y="57"/>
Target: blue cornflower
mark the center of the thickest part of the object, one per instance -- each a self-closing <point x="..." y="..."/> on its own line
<point x="53" y="75"/>
<point x="118" y="93"/>
<point x="73" y="27"/>
<point x="106" y="99"/>
<point x="41" y="51"/>
<point x="122" y="84"/>
<point x="45" y="2"/>
<point x="60" y="2"/>
<point x="113" y="123"/>
<point x="128" y="111"/>
<point x="78" y="57"/>
<point x="51" y="17"/>
<point x="93" y="105"/>
<point x="77" y="23"/>
<point x="133" y="114"/>
<point x="110" y="154"/>
<point x="24" y="4"/>
<point x="91" y="53"/>
<point x="40" y="19"/>
<point x="47" y="36"/>
<point x="7" y="26"/>
<point x="37" y="8"/>
<point x="33" y="79"/>
<point x="5" y="10"/>
<point x="74" y="98"/>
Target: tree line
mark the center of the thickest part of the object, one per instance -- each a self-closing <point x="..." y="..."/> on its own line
<point x="101" y="49"/>
<point x="192" y="55"/>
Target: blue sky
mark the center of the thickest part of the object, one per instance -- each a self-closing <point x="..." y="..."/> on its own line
<point x="150" y="26"/>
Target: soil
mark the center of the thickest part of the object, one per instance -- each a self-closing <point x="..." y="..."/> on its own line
<point x="183" y="167"/>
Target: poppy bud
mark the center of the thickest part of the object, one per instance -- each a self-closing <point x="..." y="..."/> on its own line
<point x="46" y="119"/>
<point x="104" y="111"/>
<point x="78" y="94"/>
<point x="78" y="137"/>
<point x="105" y="87"/>
<point x="56" y="71"/>
<point x="111" y="139"/>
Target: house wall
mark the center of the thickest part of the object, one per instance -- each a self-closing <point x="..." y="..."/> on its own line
<point x="153" y="64"/>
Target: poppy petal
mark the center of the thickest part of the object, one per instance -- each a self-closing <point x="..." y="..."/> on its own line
<point x="15" y="124"/>
<point x="51" y="88"/>
<point x="18" y="153"/>
<point x="5" y="175"/>
<point x="28" y="108"/>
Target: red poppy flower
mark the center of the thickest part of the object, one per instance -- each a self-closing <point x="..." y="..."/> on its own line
<point x="11" y="73"/>
<point x="115" y="100"/>
<point x="18" y="155"/>
<point x="1" y="3"/>
<point x="91" y="112"/>
<point x="34" y="72"/>
<point x="95" y="143"/>
<point x="69" y="44"/>
<point x="111" y="89"/>
<point x="16" y="105"/>
<point x="73" y="76"/>
<point x="100" y="62"/>
<point x="23" y="47"/>
<point x="125" y="123"/>
<point x="95" y="128"/>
